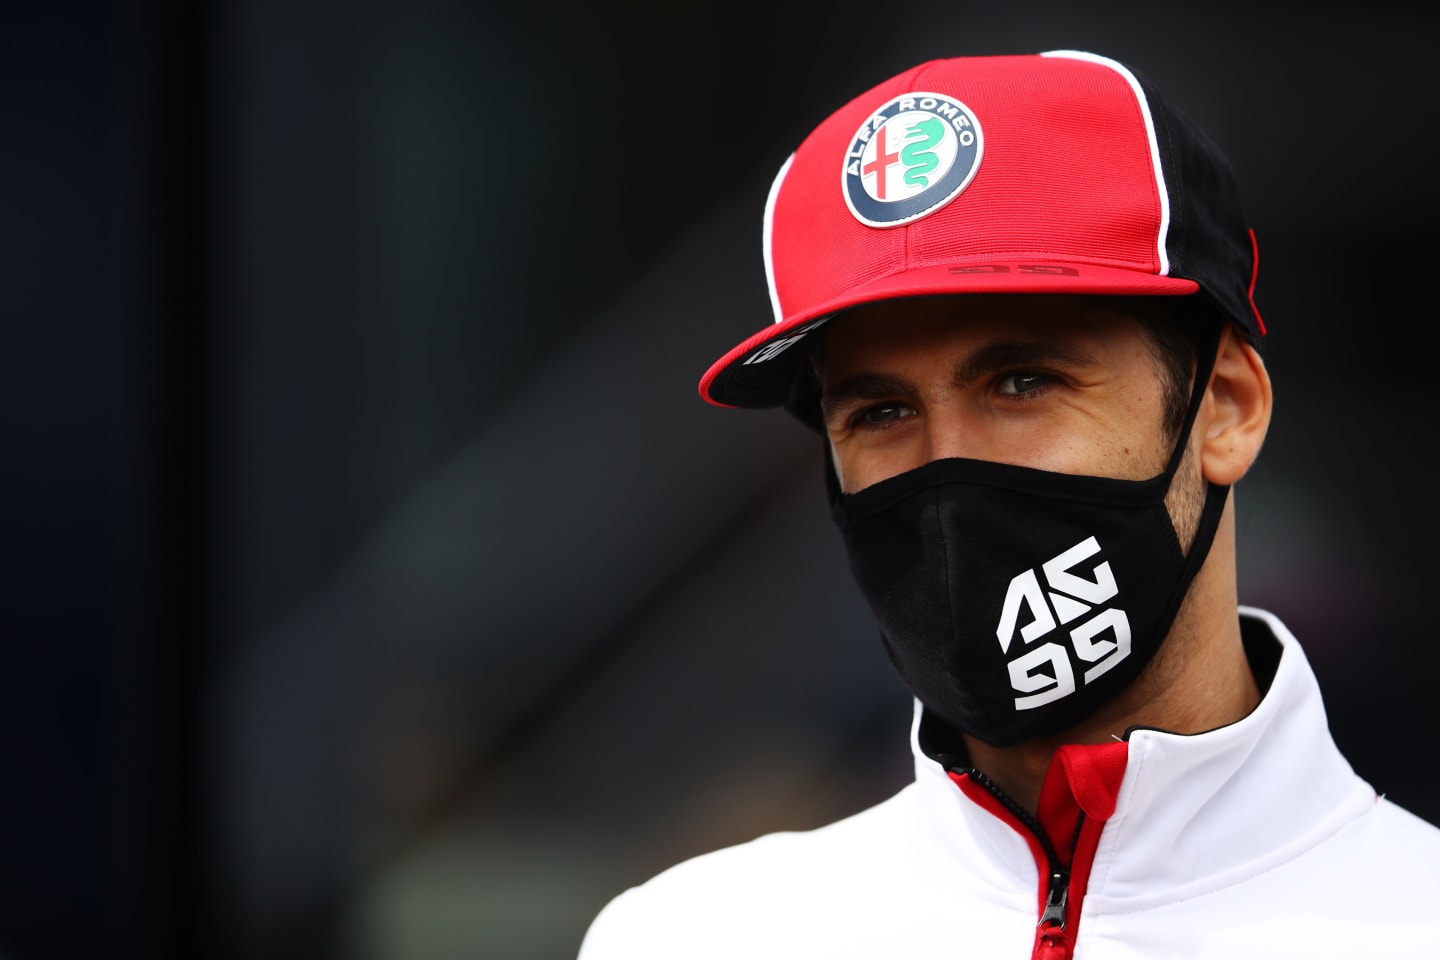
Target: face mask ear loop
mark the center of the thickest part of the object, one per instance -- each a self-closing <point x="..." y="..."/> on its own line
<point x="1205" y="370"/>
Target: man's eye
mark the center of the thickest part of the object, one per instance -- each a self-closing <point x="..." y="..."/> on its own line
<point x="1014" y="384"/>
<point x="884" y="414"/>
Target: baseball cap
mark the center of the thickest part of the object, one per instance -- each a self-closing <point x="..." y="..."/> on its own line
<point x="1056" y="173"/>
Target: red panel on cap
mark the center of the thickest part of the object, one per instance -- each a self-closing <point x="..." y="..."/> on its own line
<point x="1085" y="193"/>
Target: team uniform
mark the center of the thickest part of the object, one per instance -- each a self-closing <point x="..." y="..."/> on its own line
<point x="1254" y="840"/>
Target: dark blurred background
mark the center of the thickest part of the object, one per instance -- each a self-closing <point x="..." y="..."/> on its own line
<point x="375" y="584"/>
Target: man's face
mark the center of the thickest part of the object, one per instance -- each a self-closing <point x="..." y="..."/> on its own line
<point x="1055" y="383"/>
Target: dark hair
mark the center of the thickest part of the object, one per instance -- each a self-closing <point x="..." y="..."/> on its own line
<point x="1179" y="328"/>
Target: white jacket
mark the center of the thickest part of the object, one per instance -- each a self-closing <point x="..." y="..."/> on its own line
<point x="1253" y="840"/>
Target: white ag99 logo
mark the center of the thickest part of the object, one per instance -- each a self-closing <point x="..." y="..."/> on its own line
<point x="1045" y="673"/>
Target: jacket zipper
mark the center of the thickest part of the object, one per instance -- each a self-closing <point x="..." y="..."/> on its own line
<point x="1052" y="941"/>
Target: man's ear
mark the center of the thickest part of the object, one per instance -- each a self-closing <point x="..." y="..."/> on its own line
<point x="1235" y="414"/>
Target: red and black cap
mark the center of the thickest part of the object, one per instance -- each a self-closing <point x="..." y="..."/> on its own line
<point x="1061" y="172"/>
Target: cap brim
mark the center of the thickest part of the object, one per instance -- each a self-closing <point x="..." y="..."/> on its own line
<point x="757" y="374"/>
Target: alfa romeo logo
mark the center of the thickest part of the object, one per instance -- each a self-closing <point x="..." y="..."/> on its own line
<point x="913" y="156"/>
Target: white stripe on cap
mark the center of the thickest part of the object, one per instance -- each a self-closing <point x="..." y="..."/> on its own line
<point x="768" y="237"/>
<point x="1124" y="71"/>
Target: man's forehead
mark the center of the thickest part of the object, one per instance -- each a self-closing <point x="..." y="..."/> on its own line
<point x="894" y="327"/>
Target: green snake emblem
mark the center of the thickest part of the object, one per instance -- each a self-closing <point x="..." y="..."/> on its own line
<point x="917" y="156"/>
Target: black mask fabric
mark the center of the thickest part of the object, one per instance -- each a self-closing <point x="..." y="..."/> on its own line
<point x="1015" y="602"/>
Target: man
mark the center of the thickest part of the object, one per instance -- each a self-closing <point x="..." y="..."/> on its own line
<point x="1015" y="294"/>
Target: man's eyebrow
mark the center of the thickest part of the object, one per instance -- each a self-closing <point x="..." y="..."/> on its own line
<point x="1009" y="354"/>
<point x="862" y="387"/>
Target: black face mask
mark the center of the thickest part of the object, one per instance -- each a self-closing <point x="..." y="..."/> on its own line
<point x="1015" y="602"/>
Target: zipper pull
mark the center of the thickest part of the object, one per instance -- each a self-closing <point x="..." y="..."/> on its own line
<point x="1051" y="943"/>
<point x="1058" y="899"/>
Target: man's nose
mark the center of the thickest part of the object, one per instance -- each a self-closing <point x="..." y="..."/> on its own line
<point x="949" y="432"/>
